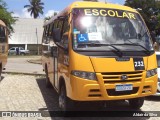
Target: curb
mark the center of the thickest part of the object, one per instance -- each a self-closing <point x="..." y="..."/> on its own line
<point x="24" y="73"/>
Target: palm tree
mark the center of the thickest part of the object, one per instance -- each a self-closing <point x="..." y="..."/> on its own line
<point x="35" y="8"/>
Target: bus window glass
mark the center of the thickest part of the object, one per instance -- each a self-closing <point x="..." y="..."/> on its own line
<point x="158" y="60"/>
<point x="2" y="34"/>
<point x="109" y="26"/>
<point x="66" y="26"/>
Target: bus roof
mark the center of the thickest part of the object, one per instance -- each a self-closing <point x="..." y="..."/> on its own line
<point x="86" y="4"/>
<point x="2" y="23"/>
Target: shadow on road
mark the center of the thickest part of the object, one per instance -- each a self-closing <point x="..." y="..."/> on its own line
<point x="153" y="98"/>
<point x="1" y="78"/>
<point x="51" y="99"/>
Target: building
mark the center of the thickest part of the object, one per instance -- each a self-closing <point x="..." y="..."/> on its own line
<point x="27" y="34"/>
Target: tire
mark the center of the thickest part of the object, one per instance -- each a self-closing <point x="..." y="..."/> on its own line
<point x="136" y="103"/>
<point x="48" y="83"/>
<point x="65" y="104"/>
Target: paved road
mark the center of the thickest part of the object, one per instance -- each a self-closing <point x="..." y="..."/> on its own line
<point x="20" y="65"/>
<point x="28" y="93"/>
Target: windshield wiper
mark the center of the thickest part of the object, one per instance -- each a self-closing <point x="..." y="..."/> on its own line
<point x="148" y="52"/>
<point x="118" y="51"/>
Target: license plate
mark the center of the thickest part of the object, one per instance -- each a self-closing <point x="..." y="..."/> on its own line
<point x="124" y="87"/>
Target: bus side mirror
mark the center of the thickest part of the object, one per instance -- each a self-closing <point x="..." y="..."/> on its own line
<point x="56" y="35"/>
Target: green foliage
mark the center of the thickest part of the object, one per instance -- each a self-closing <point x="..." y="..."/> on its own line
<point x="149" y="11"/>
<point x="6" y="16"/>
<point x="35" y="8"/>
<point x="49" y="17"/>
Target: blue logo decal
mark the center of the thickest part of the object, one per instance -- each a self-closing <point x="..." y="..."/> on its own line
<point x="82" y="37"/>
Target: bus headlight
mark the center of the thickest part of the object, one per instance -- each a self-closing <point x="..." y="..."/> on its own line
<point x="151" y="72"/>
<point x="85" y="75"/>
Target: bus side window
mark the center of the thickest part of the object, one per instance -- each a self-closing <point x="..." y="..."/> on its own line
<point x="55" y="24"/>
<point x="2" y="34"/>
<point x="60" y="25"/>
<point x="46" y="34"/>
<point x="50" y="30"/>
<point x="66" y="26"/>
<point x="43" y="39"/>
<point x="64" y="41"/>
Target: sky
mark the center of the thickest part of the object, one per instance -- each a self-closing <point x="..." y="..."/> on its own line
<point x="17" y="6"/>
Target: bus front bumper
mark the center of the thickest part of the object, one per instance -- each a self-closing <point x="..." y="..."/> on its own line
<point x="92" y="90"/>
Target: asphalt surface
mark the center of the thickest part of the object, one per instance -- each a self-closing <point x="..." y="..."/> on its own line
<point x="20" y="64"/>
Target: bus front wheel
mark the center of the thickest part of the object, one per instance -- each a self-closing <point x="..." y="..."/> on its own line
<point x="65" y="103"/>
<point x="136" y="103"/>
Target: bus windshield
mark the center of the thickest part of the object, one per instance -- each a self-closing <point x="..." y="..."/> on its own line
<point x="2" y="34"/>
<point x="106" y="29"/>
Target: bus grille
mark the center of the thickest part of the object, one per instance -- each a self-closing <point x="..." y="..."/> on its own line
<point x="114" y="77"/>
<point x="112" y="92"/>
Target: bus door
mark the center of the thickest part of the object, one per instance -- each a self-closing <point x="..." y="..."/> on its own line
<point x="3" y="40"/>
<point x="54" y="50"/>
<point x="60" y="55"/>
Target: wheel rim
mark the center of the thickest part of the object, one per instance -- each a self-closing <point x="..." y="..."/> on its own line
<point x="62" y="99"/>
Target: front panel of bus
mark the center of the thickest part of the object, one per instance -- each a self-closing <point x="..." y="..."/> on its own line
<point x="111" y="56"/>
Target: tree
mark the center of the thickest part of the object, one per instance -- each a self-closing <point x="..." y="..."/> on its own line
<point x="149" y="10"/>
<point x="6" y="16"/>
<point x="49" y="17"/>
<point x="35" y="8"/>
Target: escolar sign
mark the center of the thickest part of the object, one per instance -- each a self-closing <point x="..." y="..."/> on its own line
<point x="111" y="13"/>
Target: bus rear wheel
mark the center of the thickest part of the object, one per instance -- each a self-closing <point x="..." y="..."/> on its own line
<point x="65" y="103"/>
<point x="136" y="103"/>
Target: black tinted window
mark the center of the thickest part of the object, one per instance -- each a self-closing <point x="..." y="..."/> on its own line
<point x="158" y="60"/>
<point x="2" y="34"/>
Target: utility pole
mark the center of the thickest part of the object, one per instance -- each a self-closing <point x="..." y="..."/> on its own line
<point x="37" y="42"/>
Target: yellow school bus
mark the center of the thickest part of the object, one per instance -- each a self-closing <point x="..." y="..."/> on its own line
<point x="99" y="52"/>
<point x="3" y="46"/>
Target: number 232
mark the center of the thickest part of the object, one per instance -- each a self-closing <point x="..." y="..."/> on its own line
<point x="138" y="63"/>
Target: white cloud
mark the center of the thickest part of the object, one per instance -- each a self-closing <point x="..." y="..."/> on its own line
<point x="50" y="13"/>
<point x="15" y="15"/>
<point x="23" y="14"/>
